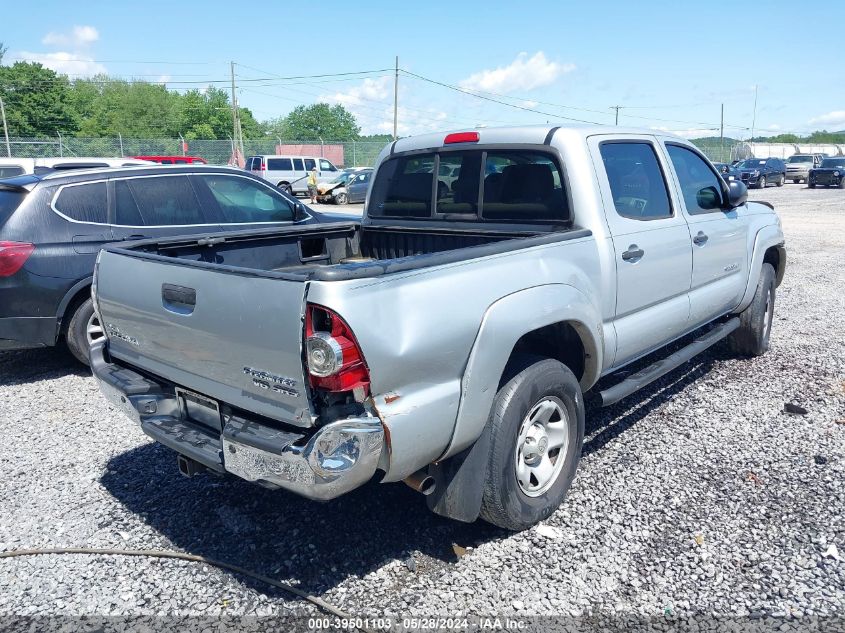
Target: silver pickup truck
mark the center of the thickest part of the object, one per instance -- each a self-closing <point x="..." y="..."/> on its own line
<point x="450" y="337"/>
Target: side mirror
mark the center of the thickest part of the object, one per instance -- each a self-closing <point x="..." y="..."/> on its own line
<point x="299" y="212"/>
<point x="737" y="194"/>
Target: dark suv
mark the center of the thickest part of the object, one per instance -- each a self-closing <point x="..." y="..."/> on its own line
<point x="52" y="227"/>
<point x="759" y="172"/>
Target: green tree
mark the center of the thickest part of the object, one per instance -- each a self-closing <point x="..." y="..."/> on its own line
<point x="3" y="49"/>
<point x="331" y="123"/>
<point x="36" y="100"/>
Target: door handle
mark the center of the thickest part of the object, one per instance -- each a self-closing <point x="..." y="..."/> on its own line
<point x="633" y="254"/>
<point x="700" y="239"/>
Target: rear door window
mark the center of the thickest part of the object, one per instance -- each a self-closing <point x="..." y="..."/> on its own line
<point x="310" y="164"/>
<point x="636" y="180"/>
<point x="297" y="164"/>
<point x="522" y="185"/>
<point x="84" y="203"/>
<point x="404" y="187"/>
<point x="162" y="201"/>
<point x="242" y="200"/>
<point x="279" y="164"/>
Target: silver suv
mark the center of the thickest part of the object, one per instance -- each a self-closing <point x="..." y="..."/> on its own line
<point x="798" y="166"/>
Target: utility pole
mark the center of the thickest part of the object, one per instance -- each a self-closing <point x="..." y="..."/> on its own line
<point x="722" y="135"/>
<point x="120" y="140"/>
<point x="237" y="135"/>
<point x="396" y="99"/>
<point x="5" y="128"/>
<point x="754" y="117"/>
<point x="617" y="108"/>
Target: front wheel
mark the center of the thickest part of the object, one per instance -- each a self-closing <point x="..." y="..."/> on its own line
<point x="795" y="181"/>
<point x="811" y="184"/>
<point x="340" y="198"/>
<point x="751" y="338"/>
<point x="842" y="182"/>
<point x="536" y="431"/>
<point x="761" y="184"/>
<point x="83" y="329"/>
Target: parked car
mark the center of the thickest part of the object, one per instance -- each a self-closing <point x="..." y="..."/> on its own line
<point x="350" y="186"/>
<point x="290" y="173"/>
<point x="11" y="167"/>
<point x="175" y="160"/>
<point x="727" y="172"/>
<point x="798" y="166"/>
<point x="831" y="173"/>
<point x="53" y="225"/>
<point x="445" y="341"/>
<point x="760" y="172"/>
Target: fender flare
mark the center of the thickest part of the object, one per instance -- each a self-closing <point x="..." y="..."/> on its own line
<point x="69" y="295"/>
<point x="504" y="323"/>
<point x="766" y="238"/>
<point x="460" y="480"/>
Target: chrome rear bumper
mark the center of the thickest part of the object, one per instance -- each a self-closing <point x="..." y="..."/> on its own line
<point x="335" y="459"/>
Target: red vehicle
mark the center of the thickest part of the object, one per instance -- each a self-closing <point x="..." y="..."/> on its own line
<point x="175" y="160"/>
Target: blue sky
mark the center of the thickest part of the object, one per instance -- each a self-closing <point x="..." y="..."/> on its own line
<point x="669" y="64"/>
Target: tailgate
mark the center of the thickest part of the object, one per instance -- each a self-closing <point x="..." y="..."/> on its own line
<point x="236" y="337"/>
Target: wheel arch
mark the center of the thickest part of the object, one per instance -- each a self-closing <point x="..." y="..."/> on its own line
<point x="520" y="323"/>
<point x="80" y="291"/>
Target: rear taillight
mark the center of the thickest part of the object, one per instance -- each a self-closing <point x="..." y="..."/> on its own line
<point x="263" y="167"/>
<point x="12" y="256"/>
<point x="335" y="361"/>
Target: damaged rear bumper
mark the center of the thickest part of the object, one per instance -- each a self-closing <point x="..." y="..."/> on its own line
<point x="335" y="459"/>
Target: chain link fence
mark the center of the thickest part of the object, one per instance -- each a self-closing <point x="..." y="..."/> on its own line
<point x="219" y="152"/>
<point x="216" y="152"/>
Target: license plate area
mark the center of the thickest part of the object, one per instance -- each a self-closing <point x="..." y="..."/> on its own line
<point x="199" y="409"/>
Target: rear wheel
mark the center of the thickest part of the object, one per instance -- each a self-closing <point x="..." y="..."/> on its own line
<point x="781" y="180"/>
<point x="811" y="184"/>
<point x="83" y="329"/>
<point x="751" y="338"/>
<point x="761" y="184"/>
<point x="842" y="182"/>
<point x="340" y="198"/>
<point x="536" y="431"/>
<point x="284" y="186"/>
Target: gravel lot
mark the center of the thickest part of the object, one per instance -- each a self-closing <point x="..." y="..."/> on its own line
<point x="697" y="497"/>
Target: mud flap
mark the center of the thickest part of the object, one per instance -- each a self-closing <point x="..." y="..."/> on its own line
<point x="460" y="482"/>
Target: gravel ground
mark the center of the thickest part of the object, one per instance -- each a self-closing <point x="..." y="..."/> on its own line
<point x="698" y="497"/>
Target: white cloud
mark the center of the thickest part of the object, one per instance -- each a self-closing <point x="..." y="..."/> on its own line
<point x="529" y="104"/>
<point x="78" y="37"/>
<point x="66" y="63"/>
<point x="368" y="90"/>
<point x="774" y="127"/>
<point x="523" y="73"/>
<point x="834" y="119"/>
<point x="688" y="132"/>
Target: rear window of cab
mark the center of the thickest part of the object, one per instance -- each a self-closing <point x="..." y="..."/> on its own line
<point x="511" y="185"/>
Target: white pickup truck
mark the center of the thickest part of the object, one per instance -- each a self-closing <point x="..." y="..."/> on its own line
<point x="449" y="338"/>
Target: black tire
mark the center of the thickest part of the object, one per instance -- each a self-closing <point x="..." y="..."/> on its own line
<point x="340" y="198"/>
<point x="761" y="184"/>
<point x="286" y="188"/>
<point x="811" y="184"/>
<point x="781" y="180"/>
<point x="77" y="336"/>
<point x="842" y="182"/>
<point x="535" y="381"/>
<point x="795" y="181"/>
<point x="752" y="336"/>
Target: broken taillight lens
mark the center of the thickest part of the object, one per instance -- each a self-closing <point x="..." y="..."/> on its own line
<point x="12" y="256"/>
<point x="335" y="362"/>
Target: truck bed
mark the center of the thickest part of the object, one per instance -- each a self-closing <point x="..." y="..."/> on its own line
<point x="340" y="251"/>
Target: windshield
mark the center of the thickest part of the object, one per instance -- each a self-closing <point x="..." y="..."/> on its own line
<point x="800" y="159"/>
<point x="751" y="163"/>
<point x="834" y="162"/>
<point x="341" y="178"/>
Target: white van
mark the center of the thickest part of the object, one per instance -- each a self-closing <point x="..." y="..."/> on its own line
<point x="290" y="173"/>
<point x="11" y="167"/>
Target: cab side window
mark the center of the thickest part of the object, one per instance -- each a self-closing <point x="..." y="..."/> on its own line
<point x="84" y="203"/>
<point x="326" y="165"/>
<point x="636" y="181"/>
<point x="700" y="186"/>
